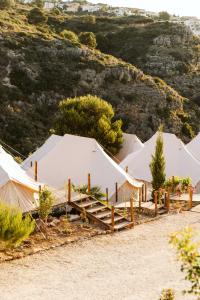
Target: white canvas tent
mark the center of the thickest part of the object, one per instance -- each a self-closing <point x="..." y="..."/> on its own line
<point x="16" y="187"/>
<point x="131" y="144"/>
<point x="194" y="146"/>
<point x="179" y="161"/>
<point x="74" y="157"/>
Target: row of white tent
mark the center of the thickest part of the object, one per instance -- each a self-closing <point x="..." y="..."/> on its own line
<point x="60" y="158"/>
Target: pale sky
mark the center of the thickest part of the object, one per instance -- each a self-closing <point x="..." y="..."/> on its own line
<point x="178" y="7"/>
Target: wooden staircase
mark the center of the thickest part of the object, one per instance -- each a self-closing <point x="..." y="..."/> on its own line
<point x="100" y="213"/>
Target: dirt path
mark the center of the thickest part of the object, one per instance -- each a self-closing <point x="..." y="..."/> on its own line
<point x="134" y="264"/>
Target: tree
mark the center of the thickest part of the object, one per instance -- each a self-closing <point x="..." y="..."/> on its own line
<point x="88" y="39"/>
<point x="90" y="116"/>
<point x="36" y="16"/>
<point x="188" y="253"/>
<point x="4" y="4"/>
<point x="157" y="164"/>
<point x="164" y="15"/>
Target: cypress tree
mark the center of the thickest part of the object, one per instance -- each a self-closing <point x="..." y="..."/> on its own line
<point x="157" y="164"/>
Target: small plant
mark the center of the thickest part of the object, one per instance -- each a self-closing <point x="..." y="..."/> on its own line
<point x="188" y="253"/>
<point x="174" y="182"/>
<point x="167" y="294"/>
<point x="14" y="228"/>
<point x="46" y="200"/>
<point x="95" y="191"/>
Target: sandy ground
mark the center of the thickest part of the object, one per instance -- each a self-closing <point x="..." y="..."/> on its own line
<point x="134" y="264"/>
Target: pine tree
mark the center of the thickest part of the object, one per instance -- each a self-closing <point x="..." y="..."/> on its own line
<point x="157" y="164"/>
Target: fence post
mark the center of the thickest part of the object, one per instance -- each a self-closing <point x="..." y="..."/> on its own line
<point x="168" y="201"/>
<point x="69" y="190"/>
<point x="132" y="210"/>
<point x="156" y="202"/>
<point x="116" y="192"/>
<point x="143" y="193"/>
<point x="126" y="169"/>
<point x="113" y="217"/>
<point x="140" y="199"/>
<point x="89" y="183"/>
<point x="190" y="196"/>
<point x="145" y="187"/>
<point x="36" y="171"/>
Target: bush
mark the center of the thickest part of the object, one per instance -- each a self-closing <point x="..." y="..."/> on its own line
<point x="69" y="35"/>
<point x="14" y="229"/>
<point x="6" y="4"/>
<point x="36" y="16"/>
<point x="55" y="11"/>
<point x="188" y="252"/>
<point x="167" y="294"/>
<point x="89" y="116"/>
<point x="46" y="200"/>
<point x="95" y="191"/>
<point x="88" y="39"/>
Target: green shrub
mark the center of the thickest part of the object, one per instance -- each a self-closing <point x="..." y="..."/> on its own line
<point x="55" y="11"/>
<point x="188" y="252"/>
<point x="88" y="39"/>
<point x="167" y="294"/>
<point x="4" y="4"/>
<point x="174" y="181"/>
<point x="95" y="191"/>
<point x="69" y="35"/>
<point x="46" y="200"/>
<point x="36" y="16"/>
<point x="89" y="116"/>
<point x="14" y="229"/>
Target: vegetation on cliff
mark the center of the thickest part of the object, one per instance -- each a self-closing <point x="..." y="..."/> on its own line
<point x="43" y="63"/>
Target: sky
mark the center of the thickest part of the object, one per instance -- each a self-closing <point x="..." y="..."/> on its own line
<point x="178" y="7"/>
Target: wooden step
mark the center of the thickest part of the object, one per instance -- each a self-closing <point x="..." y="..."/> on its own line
<point x="122" y="225"/>
<point x="88" y="203"/>
<point x="103" y="214"/>
<point x="95" y="209"/>
<point x="116" y="219"/>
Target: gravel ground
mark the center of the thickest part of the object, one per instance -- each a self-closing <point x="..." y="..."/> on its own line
<point x="135" y="264"/>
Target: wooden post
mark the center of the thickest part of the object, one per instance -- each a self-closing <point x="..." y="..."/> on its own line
<point x="190" y="191"/>
<point x="69" y="190"/>
<point x="140" y="199"/>
<point x="168" y="201"/>
<point x="113" y="217"/>
<point x="89" y="183"/>
<point x="36" y="171"/>
<point x="107" y="195"/>
<point x="116" y="192"/>
<point x="40" y="188"/>
<point x="156" y="202"/>
<point x="31" y="164"/>
<point x="132" y="210"/>
<point x="126" y="169"/>
<point x="145" y="194"/>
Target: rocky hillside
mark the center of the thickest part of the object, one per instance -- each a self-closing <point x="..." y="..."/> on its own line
<point x="38" y="68"/>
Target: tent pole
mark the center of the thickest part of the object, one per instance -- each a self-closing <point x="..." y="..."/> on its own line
<point x="107" y="195"/>
<point x="36" y="171"/>
<point x="132" y="211"/>
<point x="116" y="192"/>
<point x="69" y="190"/>
<point x="113" y="217"/>
<point x="89" y="183"/>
